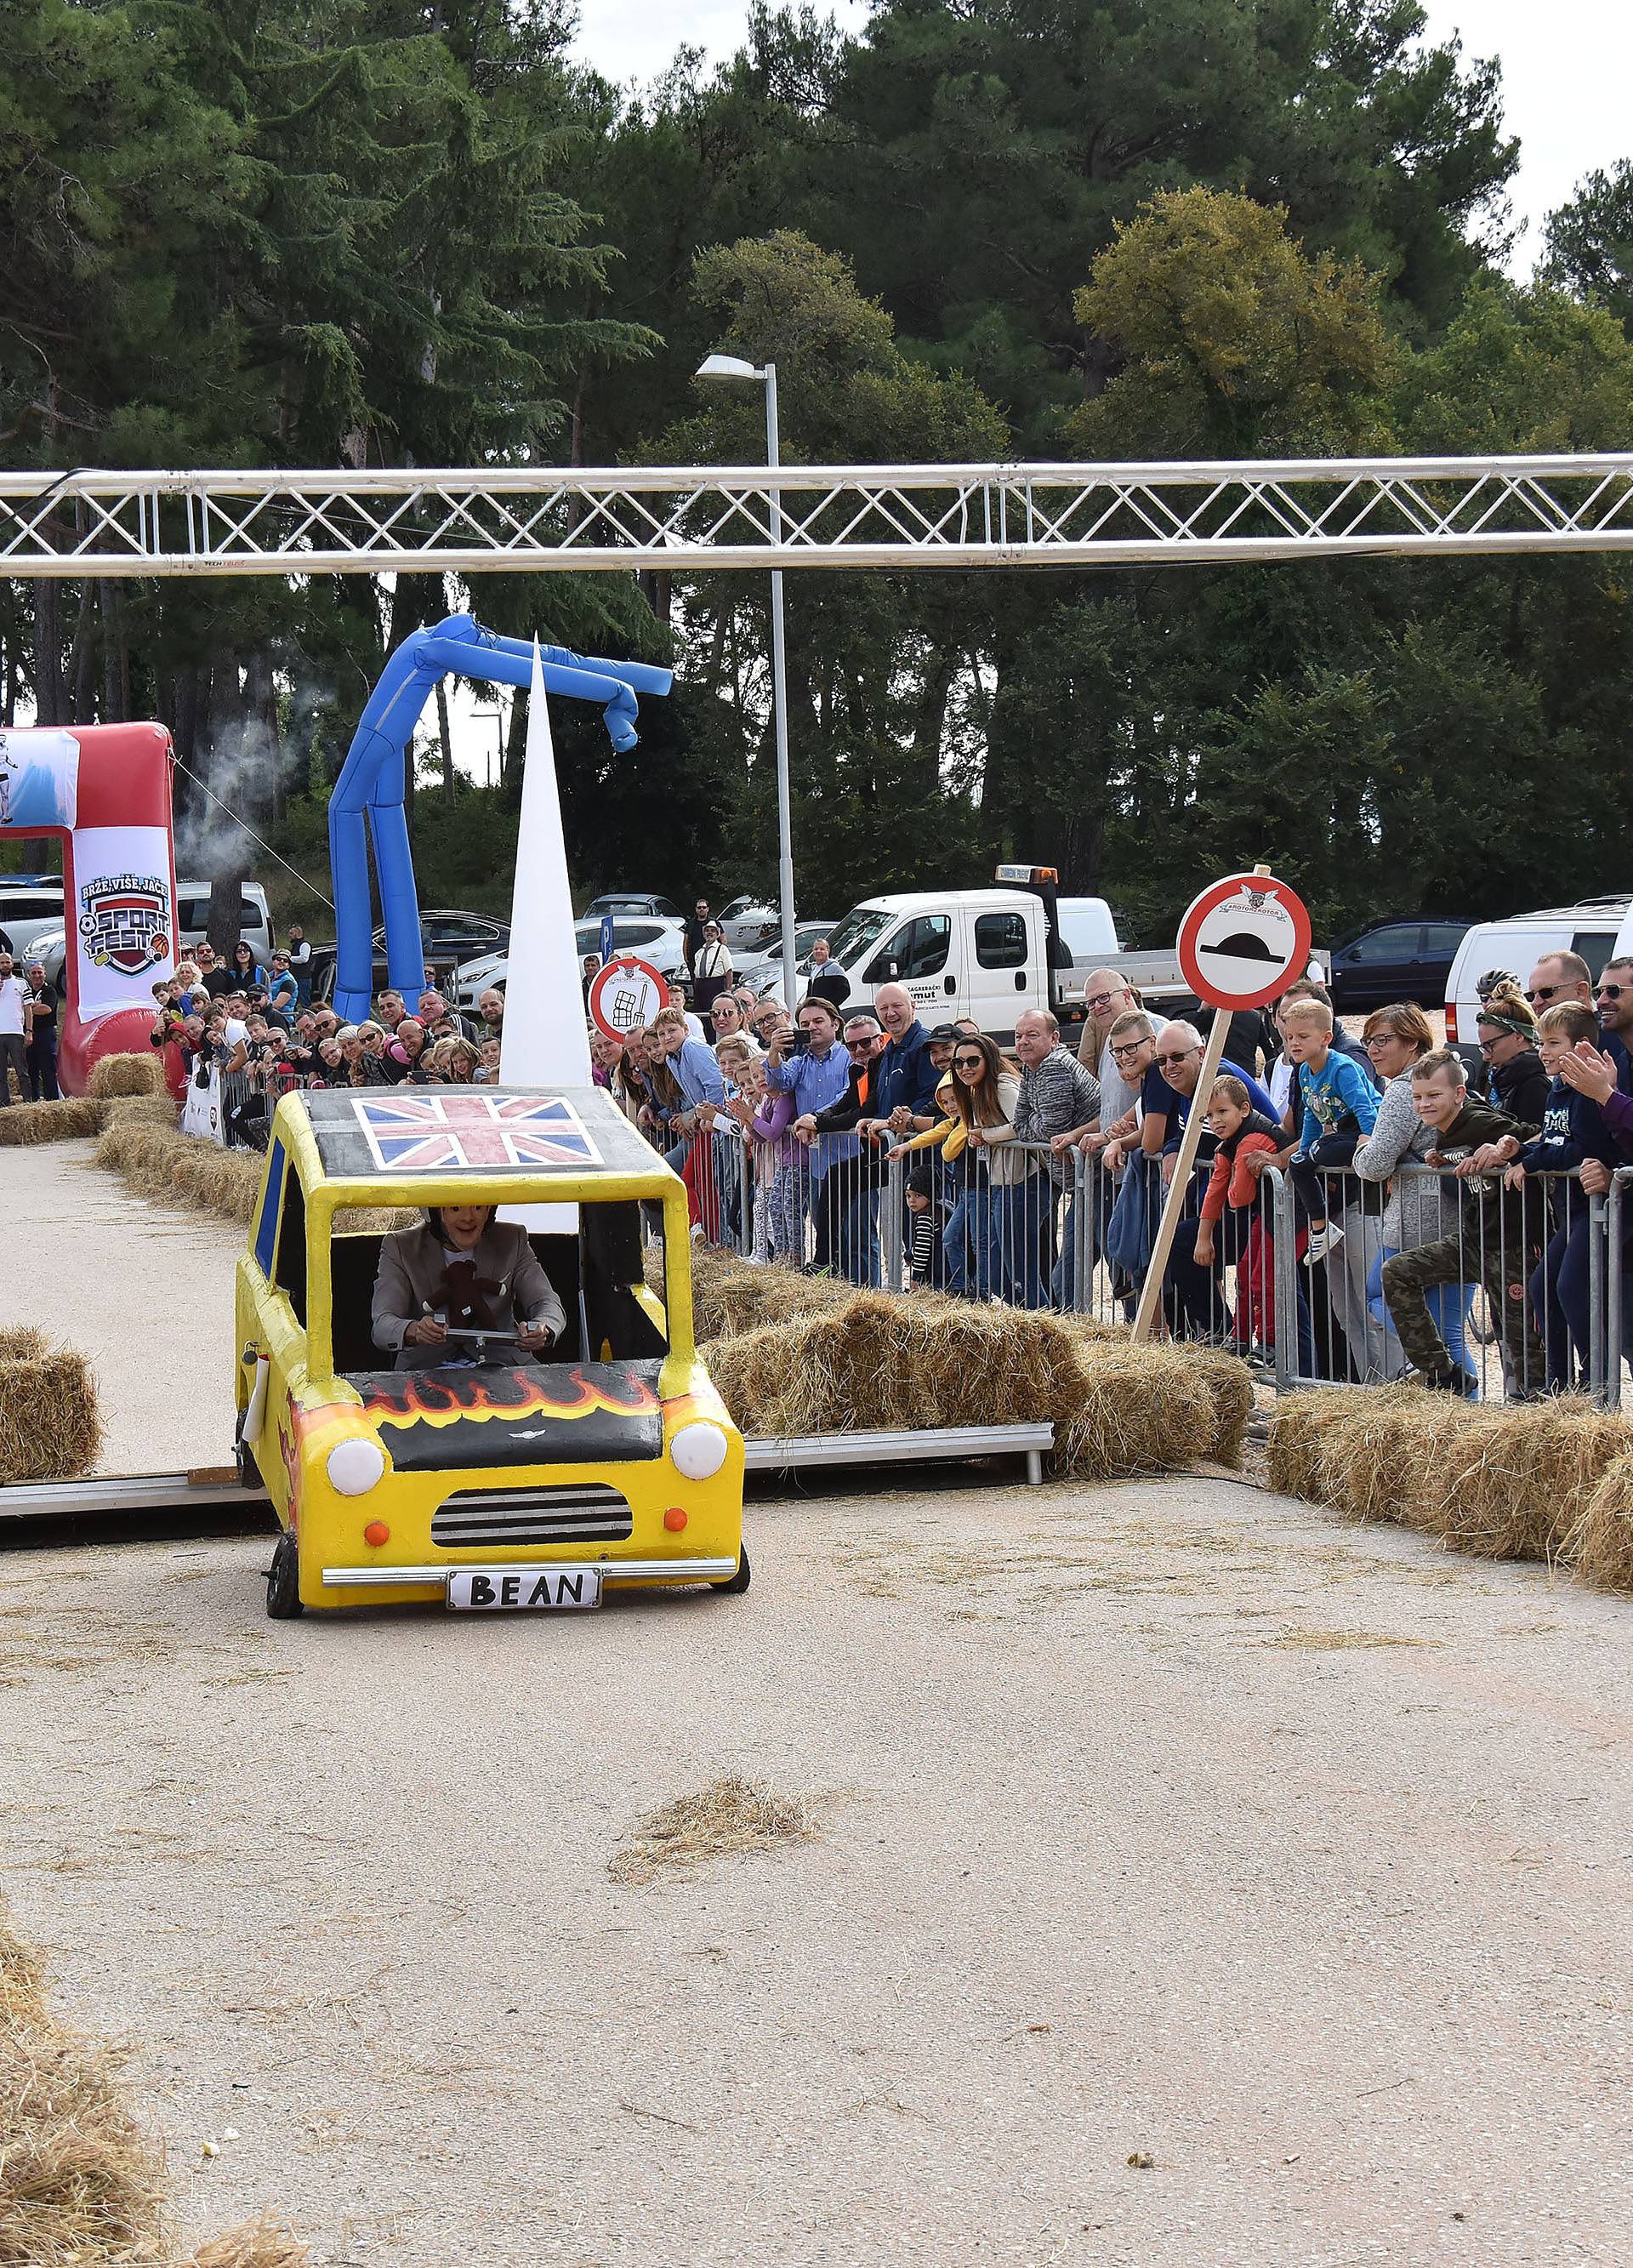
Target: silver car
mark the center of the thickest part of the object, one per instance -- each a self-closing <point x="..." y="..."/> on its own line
<point x="660" y="941"/>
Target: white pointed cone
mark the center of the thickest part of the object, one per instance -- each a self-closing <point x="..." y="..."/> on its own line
<point x="545" y="1043"/>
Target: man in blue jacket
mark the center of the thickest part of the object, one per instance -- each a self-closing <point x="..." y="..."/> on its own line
<point x="817" y="1076"/>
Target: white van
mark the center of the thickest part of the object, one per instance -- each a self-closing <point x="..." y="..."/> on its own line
<point x="983" y="954"/>
<point x="1087" y="930"/>
<point x="254" y="916"/>
<point x="1597" y="928"/>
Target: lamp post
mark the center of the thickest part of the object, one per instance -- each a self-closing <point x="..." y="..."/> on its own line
<point x="733" y="366"/>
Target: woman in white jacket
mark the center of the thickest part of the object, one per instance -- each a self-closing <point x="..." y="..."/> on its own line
<point x="986" y="1091"/>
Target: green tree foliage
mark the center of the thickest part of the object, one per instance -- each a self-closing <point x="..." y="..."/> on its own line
<point x="1589" y="241"/>
<point x="1231" y="341"/>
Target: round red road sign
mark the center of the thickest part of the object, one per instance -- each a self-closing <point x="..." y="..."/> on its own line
<point x="627" y="992"/>
<point x="1243" y="942"/>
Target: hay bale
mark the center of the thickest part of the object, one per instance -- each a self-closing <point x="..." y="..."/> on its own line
<point x="21" y="1342"/>
<point x="1600" y="1545"/>
<point x="27" y="1123"/>
<point x="1297" y="1430"/>
<point x="1504" y="1480"/>
<point x="1138" y="1409"/>
<point x="130" y="1074"/>
<point x="156" y="1161"/>
<point x="876" y="1361"/>
<point x="49" y="1425"/>
<point x="81" y="2183"/>
<point x="1229" y="1385"/>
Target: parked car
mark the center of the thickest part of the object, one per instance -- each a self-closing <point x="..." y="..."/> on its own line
<point x="28" y="912"/>
<point x="764" y="971"/>
<point x="663" y="943"/>
<point x="49" y="946"/>
<point x="749" y="923"/>
<point x="631" y="902"/>
<point x="1597" y="928"/>
<point x="448" y="937"/>
<point x="254" y="916"/>
<point x="1396" y="961"/>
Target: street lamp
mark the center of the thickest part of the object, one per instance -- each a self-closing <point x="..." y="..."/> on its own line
<point x="718" y="366"/>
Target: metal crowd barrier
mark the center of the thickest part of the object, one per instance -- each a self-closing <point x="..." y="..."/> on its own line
<point x="1526" y="1290"/>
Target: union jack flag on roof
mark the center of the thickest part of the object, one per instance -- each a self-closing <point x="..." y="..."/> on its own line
<point x="458" y="1129"/>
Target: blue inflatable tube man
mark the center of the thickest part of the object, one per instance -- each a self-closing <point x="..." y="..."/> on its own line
<point x="368" y="796"/>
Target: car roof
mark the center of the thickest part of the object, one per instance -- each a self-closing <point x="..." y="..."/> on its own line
<point x="1584" y="909"/>
<point x="398" y="1138"/>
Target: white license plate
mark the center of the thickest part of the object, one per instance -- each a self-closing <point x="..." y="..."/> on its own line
<point x="495" y="1590"/>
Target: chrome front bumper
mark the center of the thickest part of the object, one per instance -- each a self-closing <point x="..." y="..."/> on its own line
<point x="610" y="1570"/>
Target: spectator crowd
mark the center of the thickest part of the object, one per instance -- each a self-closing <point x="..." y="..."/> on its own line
<point x="854" y="1139"/>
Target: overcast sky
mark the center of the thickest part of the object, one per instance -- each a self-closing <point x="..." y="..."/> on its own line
<point x="1567" y="68"/>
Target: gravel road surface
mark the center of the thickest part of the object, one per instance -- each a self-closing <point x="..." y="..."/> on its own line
<point x="145" y="1292"/>
<point x="1173" y="1823"/>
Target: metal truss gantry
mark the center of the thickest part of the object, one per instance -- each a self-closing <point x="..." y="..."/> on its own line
<point x="499" y="519"/>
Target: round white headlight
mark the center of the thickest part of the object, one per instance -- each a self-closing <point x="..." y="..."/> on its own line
<point x="698" y="1451"/>
<point x="355" y="1464"/>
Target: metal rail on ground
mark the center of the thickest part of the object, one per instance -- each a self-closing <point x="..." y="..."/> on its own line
<point x="133" y="1495"/>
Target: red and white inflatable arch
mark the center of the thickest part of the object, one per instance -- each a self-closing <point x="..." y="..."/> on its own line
<point x="105" y="789"/>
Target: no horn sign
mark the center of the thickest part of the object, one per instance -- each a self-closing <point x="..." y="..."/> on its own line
<point x="1243" y="942"/>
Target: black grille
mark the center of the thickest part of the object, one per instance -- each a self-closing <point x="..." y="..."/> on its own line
<point x="589" y="1513"/>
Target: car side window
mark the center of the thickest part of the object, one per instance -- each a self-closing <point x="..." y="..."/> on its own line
<point x="1398" y="942"/>
<point x="922" y="952"/>
<point x="1443" y="937"/>
<point x="1595" y="946"/>
<point x="291" y="1269"/>
<point x="1001" y="940"/>
<point x="266" y="1222"/>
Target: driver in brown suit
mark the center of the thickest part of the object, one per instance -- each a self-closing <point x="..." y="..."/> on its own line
<point x="463" y="1269"/>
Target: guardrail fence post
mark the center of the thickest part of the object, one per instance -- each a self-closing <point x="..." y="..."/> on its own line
<point x="1596" y="1275"/>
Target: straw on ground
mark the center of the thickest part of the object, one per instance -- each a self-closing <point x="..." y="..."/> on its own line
<point x="727" y="1819"/>
<point x="81" y="2185"/>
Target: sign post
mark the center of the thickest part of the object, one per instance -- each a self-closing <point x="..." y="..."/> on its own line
<point x="1241" y="944"/>
<point x="627" y="992"/>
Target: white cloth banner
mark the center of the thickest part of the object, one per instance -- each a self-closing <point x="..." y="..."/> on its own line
<point x="122" y="925"/>
<point x="200" y="1113"/>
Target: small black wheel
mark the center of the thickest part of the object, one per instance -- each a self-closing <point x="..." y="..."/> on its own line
<point x="284" y="1601"/>
<point x="740" y="1581"/>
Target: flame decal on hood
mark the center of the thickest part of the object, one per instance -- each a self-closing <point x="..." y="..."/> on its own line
<point x="405" y="1398"/>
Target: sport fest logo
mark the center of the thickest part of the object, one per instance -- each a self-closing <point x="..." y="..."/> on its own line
<point x="125" y="923"/>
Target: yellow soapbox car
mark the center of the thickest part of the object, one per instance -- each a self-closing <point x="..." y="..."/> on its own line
<point x="490" y="1481"/>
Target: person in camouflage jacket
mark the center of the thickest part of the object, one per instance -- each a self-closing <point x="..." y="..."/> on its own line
<point x="1491" y="1243"/>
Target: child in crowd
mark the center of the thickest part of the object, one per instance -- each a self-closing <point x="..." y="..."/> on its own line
<point x="779" y="1160"/>
<point x="1240" y="1131"/>
<point x="487" y="1071"/>
<point x="922" y="1226"/>
<point x="1573" y="1128"/>
<point x="1340" y="1111"/>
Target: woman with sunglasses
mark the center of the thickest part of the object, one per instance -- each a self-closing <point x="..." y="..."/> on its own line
<point x="1515" y="1080"/>
<point x="985" y="1092"/>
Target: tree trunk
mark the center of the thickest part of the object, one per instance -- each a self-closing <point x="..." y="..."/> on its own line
<point x="50" y="695"/>
<point x="446" y="739"/>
